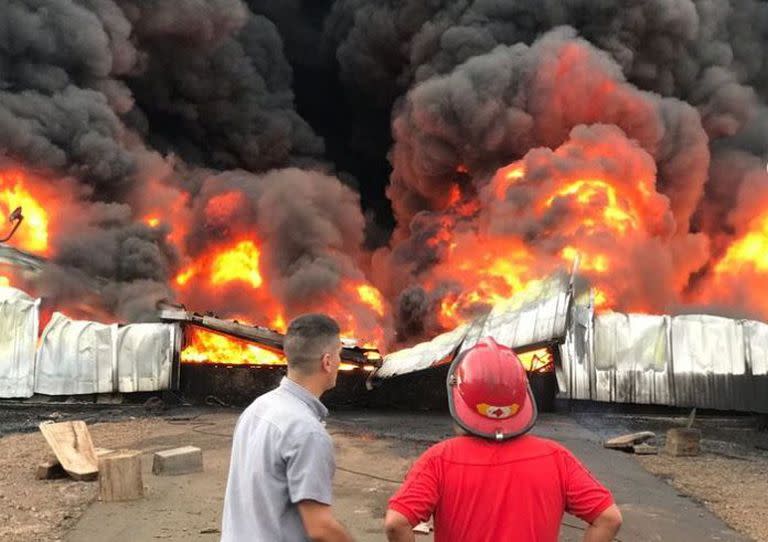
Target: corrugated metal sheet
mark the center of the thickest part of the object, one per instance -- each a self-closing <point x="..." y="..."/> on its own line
<point x="80" y="357"/>
<point x="421" y="356"/>
<point x="708" y="356"/>
<point x="689" y="360"/>
<point x="631" y="356"/>
<point x="76" y="357"/>
<point x="535" y="315"/>
<point x="18" y="337"/>
<point x="575" y="370"/>
<point x="145" y="356"/>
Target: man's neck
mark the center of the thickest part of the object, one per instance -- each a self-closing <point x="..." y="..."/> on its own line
<point x="312" y="385"/>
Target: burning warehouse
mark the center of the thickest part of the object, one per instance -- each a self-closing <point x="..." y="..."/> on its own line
<point x="402" y="167"/>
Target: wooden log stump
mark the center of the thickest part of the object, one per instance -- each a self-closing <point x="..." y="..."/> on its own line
<point x="683" y="442"/>
<point x="120" y="476"/>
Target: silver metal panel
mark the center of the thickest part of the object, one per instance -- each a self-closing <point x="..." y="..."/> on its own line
<point x="145" y="357"/>
<point x="688" y="361"/>
<point x="575" y="371"/>
<point x="19" y="315"/>
<point x="708" y="355"/>
<point x="76" y="357"/>
<point x="756" y="338"/>
<point x="633" y="350"/>
<point x="421" y="356"/>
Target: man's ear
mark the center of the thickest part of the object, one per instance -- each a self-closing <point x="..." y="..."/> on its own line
<point x="325" y="362"/>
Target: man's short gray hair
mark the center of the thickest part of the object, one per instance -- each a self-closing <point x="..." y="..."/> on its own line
<point x="309" y="336"/>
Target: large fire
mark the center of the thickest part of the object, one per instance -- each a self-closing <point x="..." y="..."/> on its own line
<point x="482" y="241"/>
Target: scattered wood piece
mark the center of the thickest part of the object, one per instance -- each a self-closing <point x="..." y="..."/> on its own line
<point x="645" y="449"/>
<point x="182" y="460"/>
<point x="627" y="442"/>
<point x="71" y="442"/>
<point x="120" y="476"/>
<point x="50" y="469"/>
<point x="683" y="442"/>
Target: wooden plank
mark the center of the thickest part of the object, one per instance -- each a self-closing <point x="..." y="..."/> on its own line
<point x="626" y="442"/>
<point x="120" y="476"/>
<point x="71" y="442"/>
<point x="51" y="468"/>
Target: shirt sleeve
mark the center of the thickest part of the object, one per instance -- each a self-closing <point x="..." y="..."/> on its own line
<point x="310" y="466"/>
<point x="585" y="497"/>
<point x="417" y="497"/>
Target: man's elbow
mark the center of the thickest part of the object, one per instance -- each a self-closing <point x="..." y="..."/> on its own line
<point x="393" y="529"/>
<point x="610" y="519"/>
<point x="396" y="525"/>
<point x="321" y="531"/>
<point x="317" y="533"/>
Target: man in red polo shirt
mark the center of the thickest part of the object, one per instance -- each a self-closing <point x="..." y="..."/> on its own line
<point x="495" y="483"/>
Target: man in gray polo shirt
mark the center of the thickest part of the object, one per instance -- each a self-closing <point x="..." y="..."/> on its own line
<point x="281" y="470"/>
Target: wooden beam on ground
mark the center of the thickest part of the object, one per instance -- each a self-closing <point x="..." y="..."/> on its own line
<point x="627" y="442"/>
<point x="50" y="469"/>
<point x="71" y="442"/>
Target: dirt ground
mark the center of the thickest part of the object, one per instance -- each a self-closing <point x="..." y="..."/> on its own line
<point x="183" y="508"/>
<point x="44" y="509"/>
<point x="177" y="508"/>
<point x="734" y="489"/>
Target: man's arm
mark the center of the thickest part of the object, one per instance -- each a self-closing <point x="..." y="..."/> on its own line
<point x="397" y="527"/>
<point x="320" y="524"/>
<point x="605" y="526"/>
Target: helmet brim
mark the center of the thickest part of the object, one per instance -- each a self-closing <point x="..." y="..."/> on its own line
<point x="476" y="423"/>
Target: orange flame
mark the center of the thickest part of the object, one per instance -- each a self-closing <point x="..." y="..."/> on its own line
<point x="751" y="251"/>
<point x="209" y="347"/>
<point x="616" y="214"/>
<point x="33" y="236"/>
<point x="371" y="297"/>
<point x="238" y="263"/>
<point x="536" y="361"/>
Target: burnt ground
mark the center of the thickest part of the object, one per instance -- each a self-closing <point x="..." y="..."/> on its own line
<point x="374" y="450"/>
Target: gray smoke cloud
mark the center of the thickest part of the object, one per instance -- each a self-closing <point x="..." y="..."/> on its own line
<point x="187" y="110"/>
<point x="309" y="228"/>
<point x="492" y="109"/>
<point x="217" y="86"/>
<point x="91" y="90"/>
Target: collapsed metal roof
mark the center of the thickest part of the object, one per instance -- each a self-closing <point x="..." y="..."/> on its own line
<point x="536" y="315"/>
<point x="690" y="360"/>
<point x="261" y="336"/>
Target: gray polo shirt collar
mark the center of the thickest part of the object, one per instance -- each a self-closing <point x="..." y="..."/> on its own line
<point x="303" y="394"/>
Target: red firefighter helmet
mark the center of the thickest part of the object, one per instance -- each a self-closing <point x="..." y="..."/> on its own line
<point x="488" y="392"/>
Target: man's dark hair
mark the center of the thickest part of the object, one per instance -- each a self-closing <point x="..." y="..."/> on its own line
<point x="309" y="336"/>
